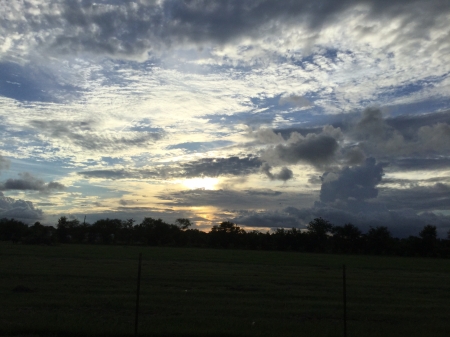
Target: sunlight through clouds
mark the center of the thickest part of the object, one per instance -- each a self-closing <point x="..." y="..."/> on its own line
<point x="244" y="109"/>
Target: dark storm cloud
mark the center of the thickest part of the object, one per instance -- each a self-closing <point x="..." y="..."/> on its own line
<point x="401" y="223"/>
<point x="418" y="137"/>
<point x="82" y="134"/>
<point x="354" y="156"/>
<point x="423" y="198"/>
<point x="28" y="182"/>
<point x="372" y="124"/>
<point x="19" y="209"/>
<point x="214" y="167"/>
<point x="313" y="149"/>
<point x="439" y="163"/>
<point x="304" y="131"/>
<point x="284" y="174"/>
<point x="408" y="125"/>
<point x="353" y="195"/>
<point x="317" y="149"/>
<point x="267" y="220"/>
<point x="129" y="29"/>
<point x="357" y="182"/>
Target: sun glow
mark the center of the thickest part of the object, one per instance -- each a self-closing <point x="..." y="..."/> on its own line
<point x="204" y="183"/>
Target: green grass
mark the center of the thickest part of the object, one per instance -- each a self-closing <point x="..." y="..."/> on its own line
<point x="91" y="291"/>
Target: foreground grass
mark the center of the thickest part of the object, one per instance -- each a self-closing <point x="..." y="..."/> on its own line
<point x="90" y="291"/>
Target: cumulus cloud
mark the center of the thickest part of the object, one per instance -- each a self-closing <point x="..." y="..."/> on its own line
<point x="30" y="183"/>
<point x="358" y="183"/>
<point x="388" y="138"/>
<point x="354" y="156"/>
<point x="353" y="195"/>
<point x="19" y="209"/>
<point x="284" y="174"/>
<point x="314" y="149"/>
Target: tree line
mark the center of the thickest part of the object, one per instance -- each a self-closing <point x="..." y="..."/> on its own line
<point x="320" y="236"/>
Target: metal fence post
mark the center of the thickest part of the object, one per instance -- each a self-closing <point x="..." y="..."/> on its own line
<point x="345" y="299"/>
<point x="137" y="296"/>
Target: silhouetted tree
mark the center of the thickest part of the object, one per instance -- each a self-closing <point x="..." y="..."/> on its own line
<point x="429" y="233"/>
<point x="379" y="240"/>
<point x="318" y="233"/>
<point x="107" y="229"/>
<point x="156" y="232"/>
<point x="126" y="232"/>
<point x="429" y="240"/>
<point x="40" y="234"/>
<point x="12" y="230"/>
<point x="346" y="239"/>
<point x="226" y="235"/>
<point x="65" y="229"/>
<point x="183" y="223"/>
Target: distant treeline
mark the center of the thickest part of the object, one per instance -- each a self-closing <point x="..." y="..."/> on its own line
<point x="320" y="236"/>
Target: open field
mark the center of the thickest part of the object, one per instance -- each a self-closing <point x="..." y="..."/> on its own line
<point x="90" y="291"/>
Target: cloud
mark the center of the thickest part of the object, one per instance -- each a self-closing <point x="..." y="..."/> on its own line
<point x="19" y="209"/>
<point x="200" y="146"/>
<point x="205" y="167"/>
<point x="389" y="138"/>
<point x="4" y="163"/>
<point x="133" y="29"/>
<point x="214" y="167"/>
<point x="118" y="174"/>
<point x="352" y="195"/>
<point x="409" y="124"/>
<point x="420" y="198"/>
<point x="314" y="149"/>
<point x="428" y="164"/>
<point x="354" y="156"/>
<point x="294" y="100"/>
<point x="82" y="134"/>
<point x="267" y="220"/>
<point x="401" y="223"/>
<point x="231" y="200"/>
<point x="358" y="183"/>
<point x="284" y="175"/>
<point x="28" y="182"/>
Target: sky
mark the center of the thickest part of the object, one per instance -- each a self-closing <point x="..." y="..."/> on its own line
<point x="266" y="113"/>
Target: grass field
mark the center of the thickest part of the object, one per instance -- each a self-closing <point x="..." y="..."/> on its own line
<point x="88" y="290"/>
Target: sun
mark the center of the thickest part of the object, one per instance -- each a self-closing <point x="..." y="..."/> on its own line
<point x="202" y="183"/>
